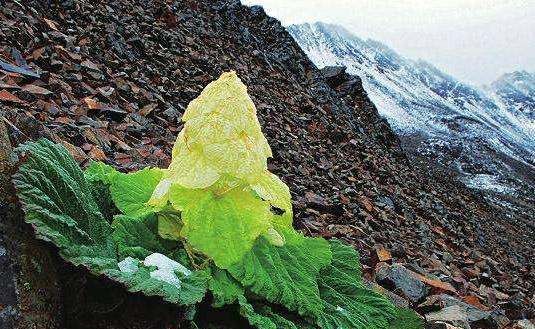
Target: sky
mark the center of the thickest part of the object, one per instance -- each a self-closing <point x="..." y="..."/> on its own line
<point x="473" y="40"/>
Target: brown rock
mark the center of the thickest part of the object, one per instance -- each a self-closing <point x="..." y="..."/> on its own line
<point x="75" y="151"/>
<point x="6" y="96"/>
<point x="383" y="255"/>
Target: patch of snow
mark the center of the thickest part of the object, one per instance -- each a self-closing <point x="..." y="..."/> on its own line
<point x="166" y="275"/>
<point x="163" y="262"/>
<point x="167" y="269"/>
<point x="489" y="183"/>
<point x="128" y="265"/>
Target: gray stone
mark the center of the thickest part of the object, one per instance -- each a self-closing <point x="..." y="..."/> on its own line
<point x="397" y="277"/>
<point x="385" y="202"/>
<point x="440" y="325"/>
<point x="475" y="316"/>
<point x="8" y="298"/>
<point x="525" y="324"/>
<point x="454" y="315"/>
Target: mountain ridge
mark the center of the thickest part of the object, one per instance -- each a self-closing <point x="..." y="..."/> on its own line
<point x="474" y="132"/>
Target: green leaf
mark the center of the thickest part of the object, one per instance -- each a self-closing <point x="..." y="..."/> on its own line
<point x="348" y="304"/>
<point x="182" y="198"/>
<point x="102" y="196"/>
<point x="169" y="225"/>
<point x="255" y="319"/>
<point x="191" y="291"/>
<point x="132" y="191"/>
<point x="406" y="319"/>
<point x="99" y="177"/>
<point x="274" y="237"/>
<point x="235" y="219"/>
<point x="283" y="320"/>
<point x="138" y="238"/>
<point x="285" y="275"/>
<point x="58" y="202"/>
<point x="100" y="172"/>
<point x="263" y="316"/>
<point x="225" y="289"/>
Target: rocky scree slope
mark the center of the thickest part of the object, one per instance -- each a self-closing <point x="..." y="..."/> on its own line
<point x="111" y="80"/>
<point x="486" y="136"/>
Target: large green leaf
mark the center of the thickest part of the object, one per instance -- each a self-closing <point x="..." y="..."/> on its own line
<point x="100" y="172"/>
<point x="255" y="319"/>
<point x="138" y="237"/>
<point x="191" y="290"/>
<point x="102" y="196"/>
<point x="225" y="227"/>
<point x="130" y="192"/>
<point x="283" y="320"/>
<point x="169" y="225"/>
<point x="225" y="289"/>
<point x="183" y="198"/>
<point x="348" y="304"/>
<point x="58" y="202"/>
<point x="270" y="188"/>
<point x="285" y="275"/>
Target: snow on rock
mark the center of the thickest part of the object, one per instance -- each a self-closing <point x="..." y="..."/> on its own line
<point x="488" y="182"/>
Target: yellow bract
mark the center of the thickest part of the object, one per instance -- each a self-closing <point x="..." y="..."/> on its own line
<point x="270" y="188"/>
<point x="218" y="178"/>
<point x="221" y="135"/>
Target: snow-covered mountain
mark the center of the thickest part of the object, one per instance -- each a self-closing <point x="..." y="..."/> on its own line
<point x="516" y="91"/>
<point x="486" y="135"/>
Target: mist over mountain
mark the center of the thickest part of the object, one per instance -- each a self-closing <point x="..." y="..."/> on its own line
<point x="486" y="135"/>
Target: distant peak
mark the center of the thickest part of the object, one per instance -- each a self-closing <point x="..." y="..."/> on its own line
<point x="517" y="75"/>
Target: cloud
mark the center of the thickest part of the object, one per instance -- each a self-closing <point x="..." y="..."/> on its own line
<point x="473" y="40"/>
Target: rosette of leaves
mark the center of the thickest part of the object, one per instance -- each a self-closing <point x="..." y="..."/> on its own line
<point x="215" y="225"/>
